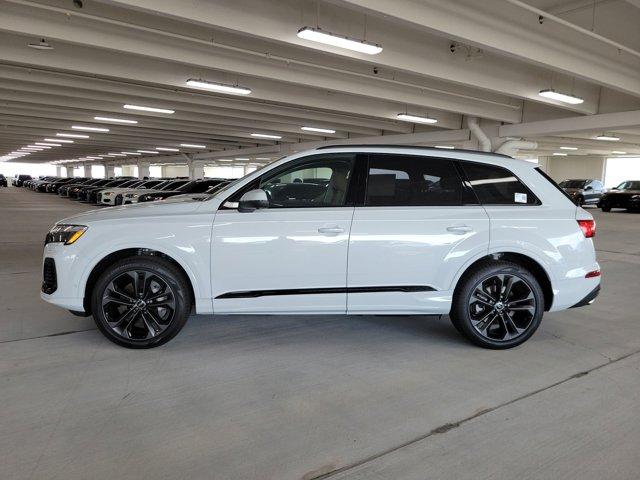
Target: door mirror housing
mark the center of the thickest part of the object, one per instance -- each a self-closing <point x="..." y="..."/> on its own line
<point x="588" y="188"/>
<point x="253" y="200"/>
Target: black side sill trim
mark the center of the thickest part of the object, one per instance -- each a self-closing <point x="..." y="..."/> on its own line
<point x="316" y="291"/>
<point x="588" y="299"/>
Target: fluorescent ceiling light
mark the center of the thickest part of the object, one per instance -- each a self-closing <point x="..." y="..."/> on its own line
<point x="263" y="158"/>
<point x="57" y="140"/>
<point x="619" y="152"/>
<point x="192" y="145"/>
<point x="242" y="158"/>
<point x="326" y="38"/>
<point x="89" y="129"/>
<point x="568" y="148"/>
<point x="41" y="45"/>
<point x="608" y="138"/>
<point x="558" y="154"/>
<point x="218" y="87"/>
<point x="49" y="144"/>
<point x="448" y="147"/>
<point x="115" y="120"/>
<point x="94" y="158"/>
<point x="316" y="129"/>
<point x="148" y="151"/>
<point x="166" y="149"/>
<point x="560" y="97"/>
<point x="225" y="160"/>
<point x="71" y="135"/>
<point x="39" y="147"/>
<point x="415" y="119"/>
<point x="149" y="109"/>
<point x="116" y="155"/>
<point x="130" y="153"/>
<point x="264" y="135"/>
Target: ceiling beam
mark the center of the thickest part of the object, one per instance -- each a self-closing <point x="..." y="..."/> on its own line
<point x="603" y="122"/>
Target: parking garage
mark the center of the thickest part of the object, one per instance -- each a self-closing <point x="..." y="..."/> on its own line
<point x="165" y="105"/>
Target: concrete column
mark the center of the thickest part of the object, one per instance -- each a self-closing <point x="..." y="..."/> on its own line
<point x="86" y="170"/>
<point x="109" y="170"/>
<point x="59" y="171"/>
<point x="196" y="170"/>
<point x="143" y="169"/>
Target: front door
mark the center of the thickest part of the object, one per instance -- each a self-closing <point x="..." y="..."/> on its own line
<point x="417" y="228"/>
<point x="291" y="256"/>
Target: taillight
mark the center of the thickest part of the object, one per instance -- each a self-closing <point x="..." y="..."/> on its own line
<point x="588" y="227"/>
<point x="592" y="274"/>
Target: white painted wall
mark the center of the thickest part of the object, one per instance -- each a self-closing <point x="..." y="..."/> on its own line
<point x="574" y="166"/>
<point x="175" y="171"/>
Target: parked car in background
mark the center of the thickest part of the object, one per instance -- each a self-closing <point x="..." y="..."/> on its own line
<point x="583" y="191"/>
<point x="19" y="180"/>
<point x="63" y="191"/>
<point x="108" y="195"/>
<point x="488" y="239"/>
<point x="129" y="197"/>
<point x="194" y="186"/>
<point x="90" y="194"/>
<point x="625" y="195"/>
<point x="3" y="181"/>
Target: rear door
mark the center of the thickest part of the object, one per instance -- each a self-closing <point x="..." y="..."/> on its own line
<point x="417" y="227"/>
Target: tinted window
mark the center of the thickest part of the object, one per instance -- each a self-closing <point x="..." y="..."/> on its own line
<point x="411" y="180"/>
<point x="573" y="183"/>
<point x="497" y="186"/>
<point x="321" y="181"/>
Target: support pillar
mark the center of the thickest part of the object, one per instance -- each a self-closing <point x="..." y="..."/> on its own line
<point x="86" y="172"/>
<point x="109" y="170"/>
<point x="143" y="169"/>
<point x="196" y="170"/>
<point x="59" y="171"/>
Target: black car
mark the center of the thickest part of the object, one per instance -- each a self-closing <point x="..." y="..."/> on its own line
<point x="3" y="181"/>
<point x="194" y="186"/>
<point x="76" y="191"/>
<point x="583" y="191"/>
<point x="63" y="190"/>
<point x="54" y="186"/>
<point x="19" y="180"/>
<point x="626" y="195"/>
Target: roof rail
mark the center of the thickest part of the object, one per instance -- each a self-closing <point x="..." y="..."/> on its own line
<point x="431" y="149"/>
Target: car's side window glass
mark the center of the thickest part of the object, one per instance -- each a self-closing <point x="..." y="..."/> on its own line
<point x="412" y="180"/>
<point x="321" y="181"/>
<point x="497" y="186"/>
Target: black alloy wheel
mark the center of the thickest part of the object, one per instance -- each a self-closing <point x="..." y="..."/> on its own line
<point x="499" y="305"/>
<point x="141" y="302"/>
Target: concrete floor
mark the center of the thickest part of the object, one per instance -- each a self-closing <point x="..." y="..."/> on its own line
<point x="299" y="397"/>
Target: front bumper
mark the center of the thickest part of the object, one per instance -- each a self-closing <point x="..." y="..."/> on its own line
<point x="68" y="272"/>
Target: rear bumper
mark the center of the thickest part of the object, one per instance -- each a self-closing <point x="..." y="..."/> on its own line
<point x="589" y="299"/>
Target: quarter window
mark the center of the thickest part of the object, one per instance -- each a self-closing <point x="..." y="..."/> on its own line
<point x="497" y="186"/>
<point x="411" y="180"/>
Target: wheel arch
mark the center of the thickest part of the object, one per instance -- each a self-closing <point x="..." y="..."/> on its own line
<point x="526" y="261"/>
<point x="114" y="256"/>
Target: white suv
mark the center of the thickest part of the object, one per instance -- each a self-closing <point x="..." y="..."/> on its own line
<point x="487" y="239"/>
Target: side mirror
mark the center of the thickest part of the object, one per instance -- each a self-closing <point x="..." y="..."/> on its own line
<point x="588" y="188"/>
<point x="253" y="200"/>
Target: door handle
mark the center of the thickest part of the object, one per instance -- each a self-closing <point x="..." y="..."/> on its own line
<point x="459" y="229"/>
<point x="331" y="230"/>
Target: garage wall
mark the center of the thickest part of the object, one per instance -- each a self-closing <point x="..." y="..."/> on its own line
<point x="578" y="166"/>
<point x="175" y="171"/>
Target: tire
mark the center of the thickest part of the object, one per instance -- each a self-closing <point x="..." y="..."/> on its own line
<point x="606" y="208"/>
<point x="127" y="315"/>
<point x="481" y="319"/>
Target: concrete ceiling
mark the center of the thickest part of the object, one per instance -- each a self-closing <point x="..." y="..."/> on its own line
<point x="109" y="53"/>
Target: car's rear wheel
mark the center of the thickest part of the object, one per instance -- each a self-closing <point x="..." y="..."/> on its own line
<point x="141" y="302"/>
<point x="606" y="208"/>
<point x="498" y="305"/>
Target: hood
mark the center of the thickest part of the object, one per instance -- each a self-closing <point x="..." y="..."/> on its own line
<point x="624" y="192"/>
<point x="139" y="210"/>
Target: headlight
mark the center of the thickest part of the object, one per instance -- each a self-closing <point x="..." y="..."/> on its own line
<point x="131" y="195"/>
<point x="66" y="234"/>
<point x="106" y="193"/>
<point x="635" y="197"/>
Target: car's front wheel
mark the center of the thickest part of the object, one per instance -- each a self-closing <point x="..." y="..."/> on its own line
<point x="498" y="305"/>
<point x="141" y="302"/>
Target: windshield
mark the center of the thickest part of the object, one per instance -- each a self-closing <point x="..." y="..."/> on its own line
<point x="174" y="185"/>
<point x="186" y="187"/>
<point x="629" y="185"/>
<point x="573" y="183"/>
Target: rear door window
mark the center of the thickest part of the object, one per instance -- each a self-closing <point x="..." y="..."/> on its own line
<point x="497" y="186"/>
